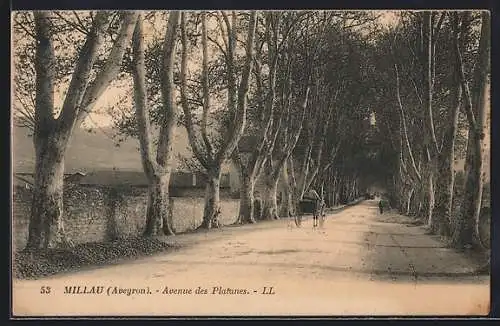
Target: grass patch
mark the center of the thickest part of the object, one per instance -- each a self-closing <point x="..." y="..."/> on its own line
<point x="36" y="264"/>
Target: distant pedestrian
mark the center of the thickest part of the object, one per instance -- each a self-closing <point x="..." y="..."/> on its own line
<point x="381" y="206"/>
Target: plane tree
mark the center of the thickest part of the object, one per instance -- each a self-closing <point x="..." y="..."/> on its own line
<point x="89" y="69"/>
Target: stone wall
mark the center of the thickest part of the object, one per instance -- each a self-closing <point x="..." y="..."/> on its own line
<point x="93" y="214"/>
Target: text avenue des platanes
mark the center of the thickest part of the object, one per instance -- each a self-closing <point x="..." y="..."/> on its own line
<point x="126" y="291"/>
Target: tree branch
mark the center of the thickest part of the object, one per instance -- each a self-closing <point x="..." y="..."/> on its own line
<point x="465" y="85"/>
<point x="140" y="100"/>
<point x="405" y="130"/>
<point x="204" y="161"/>
<point x="79" y="79"/>
<point x="170" y="110"/>
<point x="204" y="83"/>
<point x="111" y="67"/>
<point x="240" y="115"/>
<point x="77" y="26"/>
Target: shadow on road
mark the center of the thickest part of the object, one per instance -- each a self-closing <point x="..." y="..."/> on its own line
<point x="398" y="251"/>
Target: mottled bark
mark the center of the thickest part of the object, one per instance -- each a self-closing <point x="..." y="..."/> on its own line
<point x="287" y="208"/>
<point x="417" y="205"/>
<point x="46" y="228"/>
<point x="272" y="173"/>
<point x="251" y="168"/>
<point x="466" y="229"/>
<point x="433" y="221"/>
<point x="321" y="120"/>
<point x="404" y="130"/>
<point x="247" y="202"/>
<point x="465" y="232"/>
<point x="51" y="136"/>
<point x="431" y="146"/>
<point x="157" y="169"/>
<point x="111" y="68"/>
<point x="170" y="111"/>
<point x="446" y="175"/>
<point x="211" y="209"/>
<point x="237" y="106"/>
<point x="409" y="200"/>
<point x="270" y="209"/>
<point x="158" y="219"/>
<point x="247" y="188"/>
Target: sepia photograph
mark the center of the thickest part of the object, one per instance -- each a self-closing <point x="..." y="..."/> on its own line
<point x="174" y="163"/>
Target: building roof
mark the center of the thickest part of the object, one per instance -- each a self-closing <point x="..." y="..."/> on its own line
<point x="113" y="177"/>
<point x="22" y="179"/>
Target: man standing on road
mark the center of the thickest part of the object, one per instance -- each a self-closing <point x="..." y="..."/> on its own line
<point x="381" y="206"/>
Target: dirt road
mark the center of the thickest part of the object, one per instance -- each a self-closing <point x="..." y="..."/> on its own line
<point x="360" y="263"/>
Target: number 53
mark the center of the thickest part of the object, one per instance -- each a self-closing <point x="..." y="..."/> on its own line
<point x="45" y="290"/>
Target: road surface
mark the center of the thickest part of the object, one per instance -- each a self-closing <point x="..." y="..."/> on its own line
<point x="359" y="263"/>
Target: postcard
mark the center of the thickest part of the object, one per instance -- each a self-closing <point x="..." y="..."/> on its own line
<point x="250" y="163"/>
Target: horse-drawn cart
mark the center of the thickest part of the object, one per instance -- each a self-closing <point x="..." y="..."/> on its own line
<point x="308" y="206"/>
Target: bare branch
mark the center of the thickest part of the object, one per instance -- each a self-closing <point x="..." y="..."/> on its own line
<point x="204" y="83"/>
<point x="111" y="67"/>
<point x="169" y="108"/>
<point x="72" y="24"/>
<point x="81" y="74"/>
<point x="219" y="46"/>
<point x="223" y="32"/>
<point x="25" y="29"/>
<point x="405" y="130"/>
<point x="240" y="116"/>
<point x="205" y="161"/>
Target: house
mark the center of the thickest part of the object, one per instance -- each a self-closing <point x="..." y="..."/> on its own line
<point x="74" y="177"/>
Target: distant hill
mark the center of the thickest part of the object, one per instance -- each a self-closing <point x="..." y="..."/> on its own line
<point x="89" y="151"/>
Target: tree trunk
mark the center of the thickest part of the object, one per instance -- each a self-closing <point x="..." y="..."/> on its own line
<point x="212" y="201"/>
<point x="446" y="174"/>
<point x="444" y="197"/>
<point x="476" y="102"/>
<point x="335" y="191"/>
<point x="465" y="232"/>
<point x="408" y="202"/>
<point x="287" y="207"/>
<point x="46" y="222"/>
<point x="432" y="220"/>
<point x="446" y="180"/>
<point x="158" y="220"/>
<point x="51" y="136"/>
<point x="246" y="214"/>
<point x="420" y="202"/>
<point x="288" y="204"/>
<point x="270" y="211"/>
